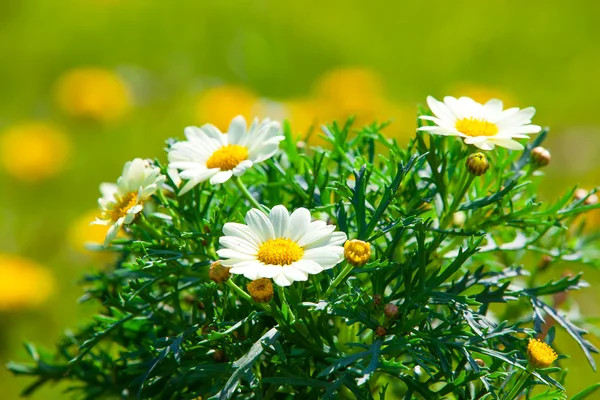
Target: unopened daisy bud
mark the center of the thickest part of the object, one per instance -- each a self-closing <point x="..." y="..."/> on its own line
<point x="357" y="252"/>
<point x="459" y="218"/>
<point x="591" y="200"/>
<point x="390" y="310"/>
<point x="545" y="262"/>
<point x="540" y="156"/>
<point x="377" y="299"/>
<point x="477" y="164"/>
<point x="219" y="356"/>
<point x="261" y="290"/>
<point x="381" y="331"/>
<point x="539" y="354"/>
<point x="580" y="194"/>
<point x="218" y="273"/>
<point x="480" y="362"/>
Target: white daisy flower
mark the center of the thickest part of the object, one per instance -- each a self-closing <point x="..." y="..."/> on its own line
<point x="211" y="155"/>
<point x="121" y="202"/>
<point x="483" y="125"/>
<point x="284" y="247"/>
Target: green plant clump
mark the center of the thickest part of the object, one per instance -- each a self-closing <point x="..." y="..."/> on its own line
<point x="224" y="288"/>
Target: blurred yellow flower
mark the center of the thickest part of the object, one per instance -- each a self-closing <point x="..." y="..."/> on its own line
<point x="23" y="283"/>
<point x="87" y="239"/>
<point x="352" y="90"/>
<point x="481" y="93"/>
<point x="34" y="151"/>
<point x="94" y="93"/>
<point x="219" y="105"/>
<point x="306" y="116"/>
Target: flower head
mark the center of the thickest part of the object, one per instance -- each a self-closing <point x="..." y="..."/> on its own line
<point x="34" y="151"/>
<point x="23" y="283"/>
<point x="357" y="252"/>
<point x="261" y="290"/>
<point x="477" y="164"/>
<point x="284" y="247"/>
<point x="218" y="273"/>
<point x="121" y="202"/>
<point x="483" y="125"/>
<point x="211" y="155"/>
<point x="94" y="93"/>
<point x="539" y="354"/>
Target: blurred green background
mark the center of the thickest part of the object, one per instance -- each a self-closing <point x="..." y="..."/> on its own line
<point x="86" y="85"/>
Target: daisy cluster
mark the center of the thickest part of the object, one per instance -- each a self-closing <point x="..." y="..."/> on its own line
<point x="279" y="245"/>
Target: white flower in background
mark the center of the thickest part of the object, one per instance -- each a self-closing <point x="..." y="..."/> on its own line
<point x="284" y="247"/>
<point x="483" y="125"/>
<point x="211" y="155"/>
<point x="121" y="202"/>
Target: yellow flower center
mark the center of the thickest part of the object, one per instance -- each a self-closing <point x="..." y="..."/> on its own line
<point x="261" y="290"/>
<point x="540" y="355"/>
<point x="127" y="202"/>
<point x="476" y="127"/>
<point x="227" y="157"/>
<point x="357" y="252"/>
<point x="280" y="251"/>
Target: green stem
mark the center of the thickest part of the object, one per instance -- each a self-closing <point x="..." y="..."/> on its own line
<point x="143" y="222"/>
<point x="518" y="386"/>
<point x="456" y="202"/>
<point x="292" y="317"/>
<point x="338" y="279"/>
<point x="238" y="182"/>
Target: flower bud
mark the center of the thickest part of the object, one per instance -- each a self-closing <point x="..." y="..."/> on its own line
<point x="377" y="299"/>
<point x="540" y="156"/>
<point x="381" y="331"/>
<point x="545" y="262"/>
<point x="539" y="354"/>
<point x="591" y="200"/>
<point x="580" y="194"/>
<point x="261" y="290"/>
<point x="477" y="164"/>
<point x="459" y="218"/>
<point x="390" y="310"/>
<point x="357" y="252"/>
<point x="218" y="273"/>
<point x="480" y="362"/>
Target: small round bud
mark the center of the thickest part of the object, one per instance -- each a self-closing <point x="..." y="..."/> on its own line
<point x="381" y="331"/>
<point x="591" y="200"/>
<point x="261" y="290"/>
<point x="480" y="362"/>
<point x="539" y="354"/>
<point x="545" y="262"/>
<point x="219" y="356"/>
<point x="540" y="156"/>
<point x="477" y="164"/>
<point x="218" y="273"/>
<point x="300" y="145"/>
<point x="459" y="218"/>
<point x="377" y="299"/>
<point x="390" y="310"/>
<point x="357" y="252"/>
<point x="580" y="194"/>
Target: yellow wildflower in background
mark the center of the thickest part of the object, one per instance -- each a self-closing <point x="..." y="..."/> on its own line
<point x="95" y="93"/>
<point x="84" y="235"/>
<point x="34" y="151"/>
<point x="219" y="105"/>
<point x="23" y="283"/>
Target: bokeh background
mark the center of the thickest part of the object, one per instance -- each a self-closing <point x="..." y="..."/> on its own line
<point x="86" y="85"/>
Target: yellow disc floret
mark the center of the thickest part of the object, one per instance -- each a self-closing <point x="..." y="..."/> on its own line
<point x="357" y="252"/>
<point x="227" y="157"/>
<point x="124" y="205"/>
<point x="476" y="127"/>
<point x="261" y="290"/>
<point x="281" y="251"/>
<point x="539" y="354"/>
